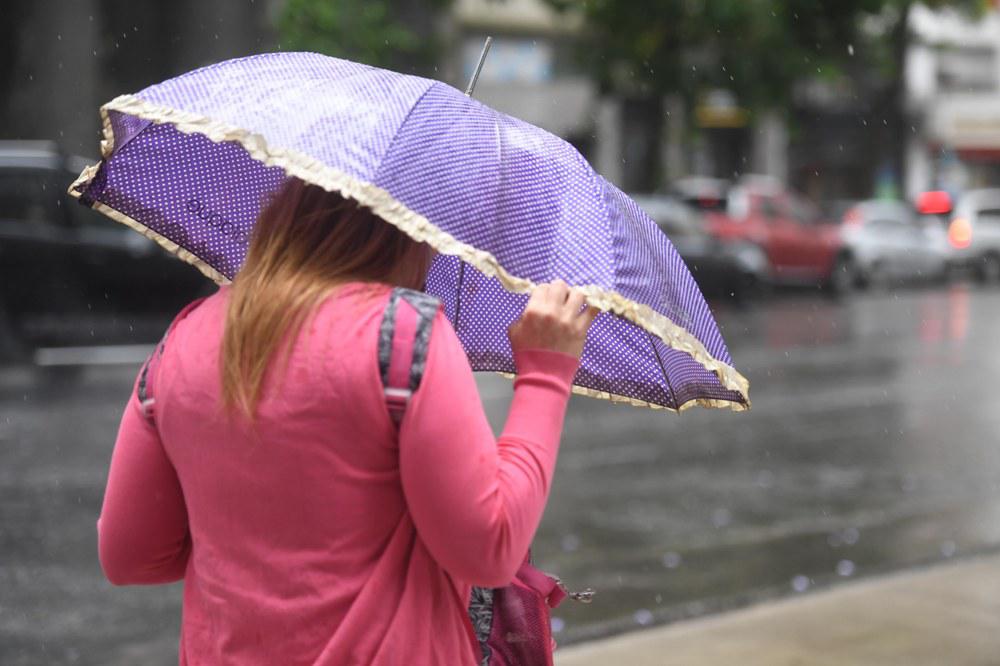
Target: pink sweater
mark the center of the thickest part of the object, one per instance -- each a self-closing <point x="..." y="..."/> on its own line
<point x="322" y="536"/>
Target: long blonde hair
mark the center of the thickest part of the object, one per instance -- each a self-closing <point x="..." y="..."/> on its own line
<point x="306" y="242"/>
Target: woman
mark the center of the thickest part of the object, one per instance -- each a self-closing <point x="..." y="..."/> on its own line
<point x="270" y="478"/>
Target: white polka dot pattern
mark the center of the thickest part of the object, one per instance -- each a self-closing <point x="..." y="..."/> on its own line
<point x="489" y="180"/>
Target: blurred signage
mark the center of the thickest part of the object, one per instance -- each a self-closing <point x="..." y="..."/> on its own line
<point x="510" y="60"/>
<point x="967" y="122"/>
<point x="967" y="69"/>
<point x="718" y="109"/>
<point x="512" y="16"/>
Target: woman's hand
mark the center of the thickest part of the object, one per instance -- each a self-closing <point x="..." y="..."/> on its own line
<point x="556" y="318"/>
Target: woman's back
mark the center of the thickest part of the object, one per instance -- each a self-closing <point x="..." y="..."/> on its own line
<point x="291" y="516"/>
<point x="321" y="535"/>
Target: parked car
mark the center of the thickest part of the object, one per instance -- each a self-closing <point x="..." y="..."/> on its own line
<point x="733" y="268"/>
<point x="890" y="243"/>
<point x="702" y="193"/>
<point x="801" y="246"/>
<point x="973" y="229"/>
<point x="69" y="275"/>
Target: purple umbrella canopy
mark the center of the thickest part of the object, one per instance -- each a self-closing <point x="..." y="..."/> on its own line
<point x="189" y="162"/>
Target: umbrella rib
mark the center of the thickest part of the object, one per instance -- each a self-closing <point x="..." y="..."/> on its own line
<point x="663" y="369"/>
<point x="458" y="295"/>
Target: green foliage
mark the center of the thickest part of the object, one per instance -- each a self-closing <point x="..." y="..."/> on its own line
<point x="385" y="33"/>
<point x="757" y="48"/>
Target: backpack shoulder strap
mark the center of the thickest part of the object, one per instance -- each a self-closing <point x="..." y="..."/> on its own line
<point x="145" y="387"/>
<point x="404" y="337"/>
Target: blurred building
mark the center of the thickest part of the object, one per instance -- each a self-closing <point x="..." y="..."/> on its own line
<point x="530" y="72"/>
<point x="952" y="79"/>
<point x="60" y="60"/>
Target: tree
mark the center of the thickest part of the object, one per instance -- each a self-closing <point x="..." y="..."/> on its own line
<point x="398" y="34"/>
<point x="759" y="49"/>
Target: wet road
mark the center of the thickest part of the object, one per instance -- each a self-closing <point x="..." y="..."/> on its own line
<point x="871" y="447"/>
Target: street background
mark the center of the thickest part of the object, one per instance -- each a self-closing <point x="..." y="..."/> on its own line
<point x="828" y="170"/>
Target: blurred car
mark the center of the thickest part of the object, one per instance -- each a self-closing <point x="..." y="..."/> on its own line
<point x="890" y="243"/>
<point x="702" y="193"/>
<point x="801" y="247"/>
<point x="973" y="229"/>
<point x="733" y="268"/>
<point x="65" y="269"/>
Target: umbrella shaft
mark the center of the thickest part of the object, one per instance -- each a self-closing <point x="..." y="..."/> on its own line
<point x="479" y="66"/>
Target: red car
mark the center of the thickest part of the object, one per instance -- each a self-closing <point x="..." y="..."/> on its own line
<point x="801" y="247"/>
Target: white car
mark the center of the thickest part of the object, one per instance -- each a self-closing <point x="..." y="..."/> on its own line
<point x="974" y="233"/>
<point x="890" y="243"/>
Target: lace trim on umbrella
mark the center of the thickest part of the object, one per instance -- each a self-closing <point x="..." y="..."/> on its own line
<point x="418" y="227"/>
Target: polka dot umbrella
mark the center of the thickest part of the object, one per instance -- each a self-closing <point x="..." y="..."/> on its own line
<point x="188" y="162"/>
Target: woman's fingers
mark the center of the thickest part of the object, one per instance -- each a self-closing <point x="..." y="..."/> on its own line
<point x="588" y="316"/>
<point x="558" y="292"/>
<point x="574" y="303"/>
<point x="556" y="317"/>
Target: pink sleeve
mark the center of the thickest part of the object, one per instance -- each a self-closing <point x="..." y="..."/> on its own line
<point x="477" y="501"/>
<point x="143" y="530"/>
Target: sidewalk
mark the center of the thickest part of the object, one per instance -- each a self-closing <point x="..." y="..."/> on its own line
<point x="946" y="615"/>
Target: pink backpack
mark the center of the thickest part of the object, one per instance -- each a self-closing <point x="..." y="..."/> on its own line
<point x="511" y="623"/>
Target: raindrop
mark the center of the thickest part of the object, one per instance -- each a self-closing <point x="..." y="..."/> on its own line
<point x="721" y="517"/>
<point x="570" y="543"/>
<point x="658" y="598"/>
<point x="845" y="568"/>
<point x="672" y="560"/>
<point x="643" y="617"/>
<point x="948" y="548"/>
<point x="557" y="624"/>
<point x="58" y="37"/>
<point x="850" y="49"/>
<point x="801" y="583"/>
<point x="851" y="536"/>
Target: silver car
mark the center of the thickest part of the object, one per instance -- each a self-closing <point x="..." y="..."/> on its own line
<point x="974" y="233"/>
<point x="891" y="243"/>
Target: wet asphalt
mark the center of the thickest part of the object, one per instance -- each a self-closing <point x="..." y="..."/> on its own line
<point x="871" y="447"/>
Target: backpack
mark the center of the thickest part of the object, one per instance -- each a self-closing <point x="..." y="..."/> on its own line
<point x="511" y="623"/>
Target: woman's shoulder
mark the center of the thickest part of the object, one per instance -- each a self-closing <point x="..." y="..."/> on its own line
<point x="362" y="312"/>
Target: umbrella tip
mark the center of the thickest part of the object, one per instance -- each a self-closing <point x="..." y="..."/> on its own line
<point x="479" y="66"/>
